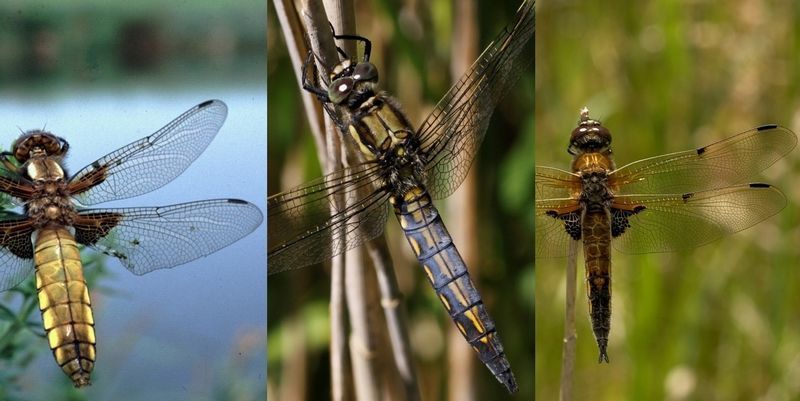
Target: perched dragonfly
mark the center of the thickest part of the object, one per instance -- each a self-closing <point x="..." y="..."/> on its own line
<point x="665" y="203"/>
<point x="46" y="236"/>
<point x="407" y="167"/>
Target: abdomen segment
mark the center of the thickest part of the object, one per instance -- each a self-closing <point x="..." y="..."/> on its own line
<point x="596" y="233"/>
<point x="448" y="274"/>
<point x="65" y="304"/>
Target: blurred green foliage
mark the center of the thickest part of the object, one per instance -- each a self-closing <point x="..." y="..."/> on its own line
<point x="49" y="43"/>
<point x="719" y="322"/>
<point x="412" y="47"/>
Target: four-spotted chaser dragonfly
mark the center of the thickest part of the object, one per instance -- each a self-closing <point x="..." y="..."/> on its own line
<point x="408" y="168"/>
<point x="144" y="239"/>
<point x="665" y="203"/>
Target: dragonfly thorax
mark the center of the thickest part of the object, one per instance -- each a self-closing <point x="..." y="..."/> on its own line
<point x="595" y="193"/>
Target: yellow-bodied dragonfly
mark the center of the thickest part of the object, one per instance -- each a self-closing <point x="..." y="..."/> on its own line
<point x="46" y="236"/>
<point x="665" y="203"/>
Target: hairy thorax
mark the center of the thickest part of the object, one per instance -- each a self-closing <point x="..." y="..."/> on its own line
<point x="51" y="202"/>
<point x="593" y="168"/>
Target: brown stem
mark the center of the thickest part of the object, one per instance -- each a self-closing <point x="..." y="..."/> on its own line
<point x="570" y="335"/>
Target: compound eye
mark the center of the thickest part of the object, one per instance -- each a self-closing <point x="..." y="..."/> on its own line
<point x="340" y="89"/>
<point x="365" y="72"/>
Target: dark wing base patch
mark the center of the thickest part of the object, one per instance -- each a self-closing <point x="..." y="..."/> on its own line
<point x="572" y="223"/>
<point x="619" y="220"/>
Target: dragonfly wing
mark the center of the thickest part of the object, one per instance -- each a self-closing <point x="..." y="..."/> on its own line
<point x="151" y="162"/>
<point x="145" y="239"/>
<point x="556" y="183"/>
<point x="452" y="133"/>
<point x="557" y="223"/>
<point x="307" y="225"/>
<point x="734" y="160"/>
<point x="16" y="249"/>
<point x="684" y="221"/>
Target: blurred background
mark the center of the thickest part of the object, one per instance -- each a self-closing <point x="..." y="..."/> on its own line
<point x="413" y="44"/>
<point x="719" y="322"/>
<point x="102" y="75"/>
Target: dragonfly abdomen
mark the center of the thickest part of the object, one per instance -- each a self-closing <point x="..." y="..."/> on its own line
<point x="64" y="302"/>
<point x="596" y="232"/>
<point x="449" y="277"/>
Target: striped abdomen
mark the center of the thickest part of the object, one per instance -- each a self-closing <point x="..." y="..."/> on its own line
<point x="596" y="233"/>
<point x="64" y="302"/>
<point x="448" y="274"/>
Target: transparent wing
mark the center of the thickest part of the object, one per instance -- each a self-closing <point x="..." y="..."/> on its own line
<point x="679" y="222"/>
<point x="556" y="183"/>
<point x="16" y="249"/>
<point x="452" y="133"/>
<point x="153" y="161"/>
<point x="735" y="160"/>
<point x="306" y="226"/>
<point x="145" y="239"/>
<point x="551" y="239"/>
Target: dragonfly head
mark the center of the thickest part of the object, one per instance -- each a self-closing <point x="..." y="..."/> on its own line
<point x="589" y="136"/>
<point x="38" y="143"/>
<point x="348" y="79"/>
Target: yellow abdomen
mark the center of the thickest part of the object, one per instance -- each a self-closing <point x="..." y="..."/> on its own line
<point x="64" y="302"/>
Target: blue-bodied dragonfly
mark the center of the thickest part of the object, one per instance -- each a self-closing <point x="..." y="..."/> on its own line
<point x="407" y="167"/>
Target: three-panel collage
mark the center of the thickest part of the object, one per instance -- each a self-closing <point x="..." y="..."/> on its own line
<point x="399" y="200"/>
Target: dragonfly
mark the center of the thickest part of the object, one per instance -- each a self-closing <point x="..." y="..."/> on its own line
<point x="672" y="202"/>
<point x="407" y="167"/>
<point x="45" y="238"/>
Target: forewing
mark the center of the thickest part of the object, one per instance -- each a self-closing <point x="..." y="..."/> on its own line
<point x="452" y="133"/>
<point x="556" y="183"/>
<point x="16" y="249"/>
<point x="11" y="185"/>
<point x="735" y="160"/>
<point x="684" y="221"/>
<point x="145" y="239"/>
<point x="151" y="162"/>
<point x="307" y="225"/>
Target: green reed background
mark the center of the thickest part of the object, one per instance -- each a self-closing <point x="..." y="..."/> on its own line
<point x="411" y="48"/>
<point x="720" y="322"/>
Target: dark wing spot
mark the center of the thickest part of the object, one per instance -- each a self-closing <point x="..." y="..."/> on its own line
<point x="204" y="104"/>
<point x="572" y="224"/>
<point x="767" y="127"/>
<point x="18" y="241"/>
<point x="91" y="227"/>
<point x="620" y="221"/>
<point x="237" y="201"/>
<point x="702" y="150"/>
<point x="759" y="185"/>
<point x="687" y="196"/>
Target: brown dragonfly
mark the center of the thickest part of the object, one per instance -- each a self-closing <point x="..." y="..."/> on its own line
<point x="45" y="238"/>
<point x="665" y="203"/>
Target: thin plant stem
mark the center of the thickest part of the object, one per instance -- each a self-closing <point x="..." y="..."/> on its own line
<point x="461" y="359"/>
<point x="570" y="334"/>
